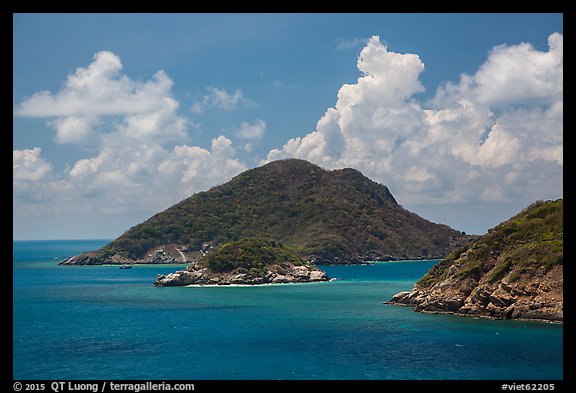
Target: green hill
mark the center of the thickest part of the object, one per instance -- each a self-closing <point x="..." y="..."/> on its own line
<point x="337" y="216"/>
<point x="249" y="255"/>
<point x="514" y="271"/>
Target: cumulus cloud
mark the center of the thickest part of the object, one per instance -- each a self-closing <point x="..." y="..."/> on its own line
<point x="74" y="129"/>
<point x="493" y="136"/>
<point x="141" y="161"/>
<point x="99" y="89"/>
<point x="28" y="165"/>
<point x="31" y="175"/>
<point x="371" y="116"/>
<point x="141" y="109"/>
<point x="512" y="75"/>
<point x="118" y="180"/>
<point x="251" y="131"/>
<point x="197" y="168"/>
<point x="158" y="176"/>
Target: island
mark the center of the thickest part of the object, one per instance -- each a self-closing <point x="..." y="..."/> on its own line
<point x="325" y="216"/>
<point x="515" y="271"/>
<point x="246" y="262"/>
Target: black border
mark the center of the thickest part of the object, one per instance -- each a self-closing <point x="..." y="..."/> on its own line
<point x="295" y="6"/>
<point x="167" y="6"/>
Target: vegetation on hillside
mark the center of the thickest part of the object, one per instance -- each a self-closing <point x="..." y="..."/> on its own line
<point x="338" y="214"/>
<point x="250" y="256"/>
<point x="531" y="240"/>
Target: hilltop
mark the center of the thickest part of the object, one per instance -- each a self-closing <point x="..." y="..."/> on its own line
<point x="515" y="271"/>
<point x="337" y="216"/>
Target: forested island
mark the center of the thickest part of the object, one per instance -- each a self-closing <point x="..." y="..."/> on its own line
<point x="325" y="217"/>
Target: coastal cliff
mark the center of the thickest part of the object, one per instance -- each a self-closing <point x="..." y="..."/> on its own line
<point x="246" y="262"/>
<point x="515" y="271"/>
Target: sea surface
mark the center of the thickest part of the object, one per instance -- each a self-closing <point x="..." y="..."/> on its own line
<point x="102" y="322"/>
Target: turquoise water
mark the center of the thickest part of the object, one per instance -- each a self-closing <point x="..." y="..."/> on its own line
<point x="101" y="322"/>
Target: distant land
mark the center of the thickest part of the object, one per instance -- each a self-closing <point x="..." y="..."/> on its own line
<point x="515" y="271"/>
<point x="325" y="217"/>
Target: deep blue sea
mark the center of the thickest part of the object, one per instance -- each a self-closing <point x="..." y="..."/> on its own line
<point x="101" y="322"/>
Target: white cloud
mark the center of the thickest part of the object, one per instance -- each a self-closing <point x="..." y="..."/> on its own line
<point x="74" y="129"/>
<point x="251" y="131"/>
<point x="496" y="135"/>
<point x="371" y="116"/>
<point x="141" y="162"/>
<point x="491" y="137"/>
<point x="27" y="165"/>
<point x="221" y="99"/>
<point x="189" y="169"/>
<point x="521" y="74"/>
<point x="132" y="178"/>
<point x="512" y="75"/>
<point x="99" y="89"/>
<point x="343" y="44"/>
<point x="30" y="175"/>
<point x="159" y="126"/>
<point x="139" y="109"/>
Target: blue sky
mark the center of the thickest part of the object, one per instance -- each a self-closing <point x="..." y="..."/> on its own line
<point x="118" y="116"/>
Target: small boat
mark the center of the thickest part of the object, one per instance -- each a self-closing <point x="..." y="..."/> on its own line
<point x="126" y="267"/>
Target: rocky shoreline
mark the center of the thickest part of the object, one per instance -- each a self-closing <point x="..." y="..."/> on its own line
<point x="197" y="275"/>
<point x="515" y="271"/>
<point x="534" y="297"/>
<point x="167" y="254"/>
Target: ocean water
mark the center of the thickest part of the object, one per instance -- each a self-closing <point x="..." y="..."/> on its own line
<point x="101" y="322"/>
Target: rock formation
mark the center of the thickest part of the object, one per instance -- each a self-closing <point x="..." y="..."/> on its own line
<point x="515" y="271"/>
<point x="197" y="275"/>
<point x="247" y="262"/>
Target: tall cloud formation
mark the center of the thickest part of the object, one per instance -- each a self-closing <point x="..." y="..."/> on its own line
<point x="494" y="136"/>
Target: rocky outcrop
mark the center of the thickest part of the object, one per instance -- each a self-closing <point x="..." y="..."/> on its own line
<point x="515" y="271"/>
<point x="87" y="258"/>
<point x="165" y="254"/>
<point x="197" y="275"/>
<point x="248" y="261"/>
<point x="537" y="296"/>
